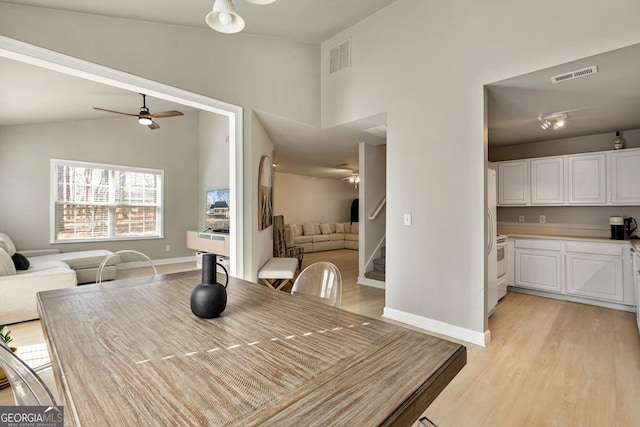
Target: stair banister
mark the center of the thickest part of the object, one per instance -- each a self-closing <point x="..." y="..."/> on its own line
<point x="382" y="203"/>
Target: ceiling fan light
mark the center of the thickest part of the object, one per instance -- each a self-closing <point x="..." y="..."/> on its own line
<point x="224" y="18"/>
<point x="145" y="121"/>
<point x="261" y="2"/>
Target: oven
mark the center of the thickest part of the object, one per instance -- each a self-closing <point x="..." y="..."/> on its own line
<point x="501" y="254"/>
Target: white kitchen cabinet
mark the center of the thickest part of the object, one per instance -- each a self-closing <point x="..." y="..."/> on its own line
<point x="598" y="273"/>
<point x="538" y="265"/>
<point x="595" y="276"/>
<point x="513" y="183"/>
<point x="586" y="177"/>
<point x="625" y="176"/>
<point x="547" y="181"/>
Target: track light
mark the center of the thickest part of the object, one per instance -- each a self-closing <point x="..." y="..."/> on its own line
<point x="554" y="121"/>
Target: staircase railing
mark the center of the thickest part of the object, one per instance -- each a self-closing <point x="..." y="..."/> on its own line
<point x="381" y="205"/>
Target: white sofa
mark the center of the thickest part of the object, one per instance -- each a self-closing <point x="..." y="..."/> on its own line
<point x="322" y="236"/>
<point x="48" y="269"/>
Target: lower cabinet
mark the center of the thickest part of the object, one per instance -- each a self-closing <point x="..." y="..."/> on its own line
<point x="584" y="270"/>
<point x="537" y="269"/>
<point x="595" y="276"/>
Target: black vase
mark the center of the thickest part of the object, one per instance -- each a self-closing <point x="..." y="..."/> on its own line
<point x="209" y="298"/>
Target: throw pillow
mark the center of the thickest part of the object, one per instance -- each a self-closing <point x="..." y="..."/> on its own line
<point x="316" y="228"/>
<point x="20" y="261"/>
<point x="309" y="229"/>
<point x="296" y="229"/>
<point x="347" y="228"/>
<point x="325" y="229"/>
<point x="7" y="268"/>
<point x="7" y="244"/>
<point x="355" y="227"/>
<point x="339" y="228"/>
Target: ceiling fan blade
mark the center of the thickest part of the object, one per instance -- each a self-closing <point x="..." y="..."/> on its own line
<point x="162" y="114"/>
<point x="117" y="112"/>
<point x="154" y="125"/>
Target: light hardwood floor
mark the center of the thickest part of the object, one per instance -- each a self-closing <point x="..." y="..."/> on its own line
<point x="549" y="363"/>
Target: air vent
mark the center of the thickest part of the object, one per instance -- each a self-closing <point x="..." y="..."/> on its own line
<point x="340" y="57"/>
<point x="574" y="74"/>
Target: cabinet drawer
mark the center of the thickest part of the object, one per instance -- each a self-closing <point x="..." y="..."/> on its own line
<point x="546" y="245"/>
<point x="595" y="248"/>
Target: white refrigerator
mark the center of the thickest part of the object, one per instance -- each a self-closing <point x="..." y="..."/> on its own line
<point x="492" y="259"/>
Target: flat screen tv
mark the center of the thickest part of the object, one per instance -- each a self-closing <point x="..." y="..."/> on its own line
<point x="217" y="216"/>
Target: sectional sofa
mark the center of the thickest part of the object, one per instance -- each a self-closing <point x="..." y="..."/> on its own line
<point x="322" y="236"/>
<point x="45" y="270"/>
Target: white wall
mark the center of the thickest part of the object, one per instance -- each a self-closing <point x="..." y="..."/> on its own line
<point x="302" y="198"/>
<point x="25" y="153"/>
<point x="373" y="161"/>
<point x="425" y="63"/>
<point x="213" y="159"/>
<point x="278" y="76"/>
<point x="262" y="249"/>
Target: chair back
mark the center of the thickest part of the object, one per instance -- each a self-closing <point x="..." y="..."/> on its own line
<point x="321" y="281"/>
<point x="132" y="264"/>
<point x="28" y="388"/>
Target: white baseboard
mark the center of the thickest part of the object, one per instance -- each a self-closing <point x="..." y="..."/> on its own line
<point x="173" y="260"/>
<point x="371" y="282"/>
<point x="441" y="328"/>
<point x="571" y="298"/>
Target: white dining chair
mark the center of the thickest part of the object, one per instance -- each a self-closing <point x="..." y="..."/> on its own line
<point x="321" y="281"/>
<point x="27" y="386"/>
<point x="129" y="259"/>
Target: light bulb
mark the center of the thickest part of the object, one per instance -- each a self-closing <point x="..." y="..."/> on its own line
<point x="224" y="18"/>
<point x="558" y="124"/>
<point x="145" y="121"/>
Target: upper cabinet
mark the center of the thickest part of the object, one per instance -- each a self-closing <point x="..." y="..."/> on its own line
<point x="587" y="179"/>
<point x="593" y="179"/>
<point x="547" y="181"/>
<point x="625" y="177"/>
<point x="513" y="183"/>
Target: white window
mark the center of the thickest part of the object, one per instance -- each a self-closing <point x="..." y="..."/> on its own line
<point x="92" y="201"/>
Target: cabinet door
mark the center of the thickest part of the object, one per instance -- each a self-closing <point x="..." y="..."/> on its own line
<point x="541" y="270"/>
<point x="547" y="181"/>
<point x="625" y="177"/>
<point x="595" y="276"/>
<point x="513" y="183"/>
<point x="587" y="179"/>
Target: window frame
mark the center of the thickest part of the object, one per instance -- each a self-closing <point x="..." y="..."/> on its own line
<point x="55" y="163"/>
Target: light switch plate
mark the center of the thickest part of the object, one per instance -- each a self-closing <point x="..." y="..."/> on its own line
<point x="407" y="219"/>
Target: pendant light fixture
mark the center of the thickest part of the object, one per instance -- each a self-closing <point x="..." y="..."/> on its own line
<point x="225" y="19"/>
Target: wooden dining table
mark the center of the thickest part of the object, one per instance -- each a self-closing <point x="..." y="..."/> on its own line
<point x="131" y="353"/>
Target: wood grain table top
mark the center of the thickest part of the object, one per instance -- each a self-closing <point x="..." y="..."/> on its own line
<point x="132" y="353"/>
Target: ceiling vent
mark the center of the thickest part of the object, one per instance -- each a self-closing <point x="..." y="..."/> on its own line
<point x="340" y="57"/>
<point x="574" y="74"/>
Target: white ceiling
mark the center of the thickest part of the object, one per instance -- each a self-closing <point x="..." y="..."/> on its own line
<point x="605" y="102"/>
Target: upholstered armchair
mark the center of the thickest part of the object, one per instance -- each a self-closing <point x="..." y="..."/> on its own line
<point x="280" y="248"/>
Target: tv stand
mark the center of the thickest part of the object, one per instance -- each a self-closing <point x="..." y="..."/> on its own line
<point x="217" y="243"/>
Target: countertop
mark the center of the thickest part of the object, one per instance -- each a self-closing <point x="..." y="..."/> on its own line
<point x="634" y="242"/>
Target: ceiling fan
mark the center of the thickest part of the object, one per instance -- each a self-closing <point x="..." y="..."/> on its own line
<point x="144" y="116"/>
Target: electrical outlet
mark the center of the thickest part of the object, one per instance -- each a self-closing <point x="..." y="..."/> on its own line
<point x="167" y="248"/>
<point x="543" y="219"/>
<point x="407" y="219"/>
<point x="521" y="218"/>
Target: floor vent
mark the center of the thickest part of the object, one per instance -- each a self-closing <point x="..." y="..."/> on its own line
<point x="575" y="74"/>
<point x="340" y="57"/>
